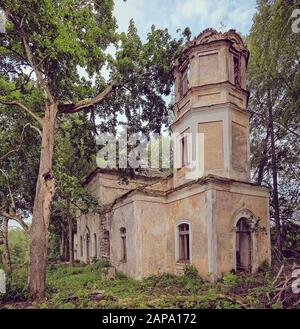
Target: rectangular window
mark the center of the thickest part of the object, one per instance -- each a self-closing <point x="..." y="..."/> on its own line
<point x="184" y="83"/>
<point x="236" y="68"/>
<point x="81" y="247"/>
<point x="96" y="246"/>
<point x="184" y="243"/>
<point x="106" y="245"/>
<point x="184" y="151"/>
<point x="123" y="245"/>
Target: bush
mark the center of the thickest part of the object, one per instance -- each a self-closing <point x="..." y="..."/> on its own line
<point x="190" y="271"/>
<point x="230" y="279"/>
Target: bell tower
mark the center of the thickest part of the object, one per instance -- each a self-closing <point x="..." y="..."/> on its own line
<point x="211" y="117"/>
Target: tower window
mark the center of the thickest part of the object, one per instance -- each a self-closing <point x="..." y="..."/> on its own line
<point x="81" y="246"/>
<point x="184" y="151"/>
<point x="123" y="244"/>
<point x="184" y="82"/>
<point x="184" y="243"/>
<point x="236" y="70"/>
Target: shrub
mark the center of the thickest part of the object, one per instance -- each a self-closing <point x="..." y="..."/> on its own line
<point x="230" y="279"/>
<point x="190" y="271"/>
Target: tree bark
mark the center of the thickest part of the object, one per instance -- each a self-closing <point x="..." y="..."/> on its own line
<point x="41" y="211"/>
<point x="71" y="241"/>
<point x="275" y="180"/>
<point x="6" y="253"/>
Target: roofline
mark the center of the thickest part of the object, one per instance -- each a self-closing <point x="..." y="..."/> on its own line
<point x="116" y="172"/>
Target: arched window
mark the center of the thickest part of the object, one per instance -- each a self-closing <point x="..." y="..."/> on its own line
<point x="81" y="246"/>
<point x="106" y="243"/>
<point x="123" y="244"/>
<point x="87" y="247"/>
<point x="184" y="243"/>
<point x="96" y="246"/>
<point x="243" y="246"/>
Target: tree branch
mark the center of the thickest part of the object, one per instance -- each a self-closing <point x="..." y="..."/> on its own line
<point x="87" y="104"/>
<point x="9" y="189"/>
<point x="18" y="219"/>
<point x="22" y="106"/>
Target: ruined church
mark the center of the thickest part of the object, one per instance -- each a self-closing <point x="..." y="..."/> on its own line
<point x="218" y="221"/>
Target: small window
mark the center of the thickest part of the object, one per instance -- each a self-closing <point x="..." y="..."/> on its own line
<point x="184" y="82"/>
<point x="81" y="246"/>
<point x="106" y="243"/>
<point x="236" y="69"/>
<point x="87" y="247"/>
<point x="96" y="246"/>
<point x="184" y="151"/>
<point x="184" y="243"/>
<point x="123" y="244"/>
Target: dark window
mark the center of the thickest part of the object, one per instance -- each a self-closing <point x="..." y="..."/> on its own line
<point x="96" y="245"/>
<point x="87" y="247"/>
<point x="236" y="69"/>
<point x="184" y="83"/>
<point x="184" y="151"/>
<point x="106" y="246"/>
<point x="243" y="246"/>
<point x="184" y="243"/>
<point x="123" y="244"/>
<point x="81" y="247"/>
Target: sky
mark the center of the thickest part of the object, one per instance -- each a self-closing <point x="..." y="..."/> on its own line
<point x="175" y="14"/>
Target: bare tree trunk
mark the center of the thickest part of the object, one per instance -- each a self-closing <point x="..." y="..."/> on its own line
<point x="6" y="253"/>
<point x="275" y="181"/>
<point x="71" y="241"/>
<point x="41" y="210"/>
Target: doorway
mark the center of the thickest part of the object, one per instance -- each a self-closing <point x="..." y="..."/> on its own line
<point x="243" y="246"/>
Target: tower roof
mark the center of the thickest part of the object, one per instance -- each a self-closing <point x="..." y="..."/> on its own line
<point x="210" y="35"/>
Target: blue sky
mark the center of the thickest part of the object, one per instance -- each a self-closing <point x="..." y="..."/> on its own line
<point x="174" y="14"/>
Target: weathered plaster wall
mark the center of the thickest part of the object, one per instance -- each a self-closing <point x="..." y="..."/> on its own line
<point x="87" y="223"/>
<point x="227" y="206"/>
<point x="123" y="215"/>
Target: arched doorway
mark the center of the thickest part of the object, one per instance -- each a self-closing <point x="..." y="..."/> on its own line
<point x="243" y="246"/>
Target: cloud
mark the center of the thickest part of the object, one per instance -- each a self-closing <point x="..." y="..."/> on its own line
<point x="174" y="14"/>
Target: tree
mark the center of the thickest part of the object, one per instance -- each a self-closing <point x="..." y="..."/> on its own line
<point x="274" y="82"/>
<point x="46" y="42"/>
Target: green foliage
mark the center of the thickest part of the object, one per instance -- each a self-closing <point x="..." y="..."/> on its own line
<point x="82" y="286"/>
<point x="190" y="271"/>
<point x="230" y="279"/>
<point x="18" y="245"/>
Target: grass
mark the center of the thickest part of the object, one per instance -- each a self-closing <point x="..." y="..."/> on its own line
<point x="83" y="287"/>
